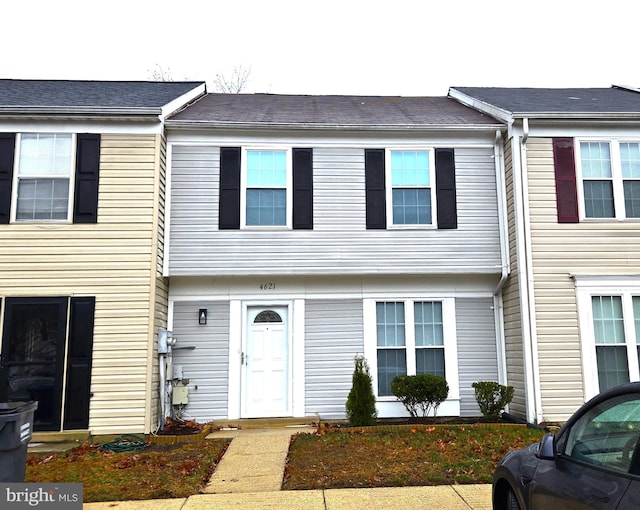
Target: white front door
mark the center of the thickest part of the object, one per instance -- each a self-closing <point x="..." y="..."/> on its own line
<point x="266" y="365"/>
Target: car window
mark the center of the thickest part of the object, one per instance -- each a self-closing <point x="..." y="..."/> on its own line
<point x="607" y="435"/>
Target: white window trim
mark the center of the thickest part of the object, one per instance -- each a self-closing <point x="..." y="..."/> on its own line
<point x="243" y="188"/>
<point x="15" y="180"/>
<point x="616" y="177"/>
<point x="587" y="336"/>
<point x="450" y="341"/>
<point x="389" y="189"/>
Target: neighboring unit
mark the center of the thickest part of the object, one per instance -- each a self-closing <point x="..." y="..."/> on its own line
<point x="82" y="176"/>
<point x="572" y="302"/>
<point x="306" y="230"/>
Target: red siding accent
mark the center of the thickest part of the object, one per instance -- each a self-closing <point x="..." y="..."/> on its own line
<point x="565" y="172"/>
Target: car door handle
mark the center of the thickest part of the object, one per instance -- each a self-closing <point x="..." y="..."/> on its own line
<point x="599" y="498"/>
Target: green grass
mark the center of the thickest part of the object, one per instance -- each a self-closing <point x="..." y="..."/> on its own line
<point x="402" y="456"/>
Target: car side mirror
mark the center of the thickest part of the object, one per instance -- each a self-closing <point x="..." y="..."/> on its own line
<point x="546" y="448"/>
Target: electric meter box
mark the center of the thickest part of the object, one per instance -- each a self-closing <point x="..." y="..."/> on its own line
<point x="180" y="395"/>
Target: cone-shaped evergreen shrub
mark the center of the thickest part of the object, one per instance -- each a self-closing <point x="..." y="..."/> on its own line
<point x="361" y="403"/>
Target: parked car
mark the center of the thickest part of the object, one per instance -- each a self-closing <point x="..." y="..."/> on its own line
<point x="592" y="461"/>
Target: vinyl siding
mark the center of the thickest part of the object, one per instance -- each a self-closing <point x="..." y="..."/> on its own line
<point x="334" y="336"/>
<point x="207" y="365"/>
<point x="477" y="355"/>
<point x="339" y="243"/>
<point x="588" y="247"/>
<point x="115" y="261"/>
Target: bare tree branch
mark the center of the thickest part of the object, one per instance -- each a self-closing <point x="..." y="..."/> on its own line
<point x="233" y="84"/>
<point x="160" y="74"/>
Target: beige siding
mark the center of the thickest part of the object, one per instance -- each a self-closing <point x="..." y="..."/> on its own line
<point x="511" y="300"/>
<point x="115" y="261"/>
<point x="604" y="248"/>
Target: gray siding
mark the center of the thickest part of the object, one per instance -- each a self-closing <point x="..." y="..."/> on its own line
<point x="339" y="243"/>
<point x="477" y="356"/>
<point x="334" y="337"/>
<point x="206" y="367"/>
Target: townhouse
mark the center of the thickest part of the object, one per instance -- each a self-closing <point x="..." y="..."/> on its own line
<point x="82" y="178"/>
<point x="572" y="300"/>
<point x="306" y="230"/>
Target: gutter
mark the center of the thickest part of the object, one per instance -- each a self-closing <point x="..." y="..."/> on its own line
<point x="80" y="110"/>
<point x="205" y="124"/>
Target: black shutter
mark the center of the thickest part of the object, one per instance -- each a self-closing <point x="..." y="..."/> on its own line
<point x="376" y="209"/>
<point x="446" y="189"/>
<point x="7" y="152"/>
<point x="302" y="188"/>
<point x="85" y="207"/>
<point x="566" y="188"/>
<point x="78" y="388"/>
<point x="229" y="207"/>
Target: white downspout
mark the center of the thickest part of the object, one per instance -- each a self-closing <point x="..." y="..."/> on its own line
<point x="498" y="314"/>
<point x="525" y="276"/>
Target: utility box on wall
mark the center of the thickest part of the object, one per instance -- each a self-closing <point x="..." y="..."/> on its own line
<point x="180" y="395"/>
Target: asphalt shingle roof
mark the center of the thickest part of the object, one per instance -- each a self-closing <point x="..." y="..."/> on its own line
<point x="97" y="95"/>
<point x="318" y="111"/>
<point x="556" y="101"/>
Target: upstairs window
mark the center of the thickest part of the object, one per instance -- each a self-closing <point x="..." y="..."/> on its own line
<point x="267" y="189"/>
<point x="610" y="177"/>
<point x="48" y="177"/>
<point x="412" y="192"/>
<point x="630" y="163"/>
<point x="45" y="167"/>
<point x="409" y="188"/>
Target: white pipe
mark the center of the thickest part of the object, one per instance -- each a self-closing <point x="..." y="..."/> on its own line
<point x="525" y="274"/>
<point x="531" y="323"/>
<point x="162" y="389"/>
<point x="498" y="155"/>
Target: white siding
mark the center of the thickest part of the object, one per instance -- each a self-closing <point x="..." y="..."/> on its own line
<point x="206" y="366"/>
<point x="477" y="356"/>
<point x="334" y="336"/>
<point x="339" y="243"/>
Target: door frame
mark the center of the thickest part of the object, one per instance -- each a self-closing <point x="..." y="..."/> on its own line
<point x="266" y="305"/>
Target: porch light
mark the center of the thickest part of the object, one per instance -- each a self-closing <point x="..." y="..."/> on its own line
<point x="202" y="316"/>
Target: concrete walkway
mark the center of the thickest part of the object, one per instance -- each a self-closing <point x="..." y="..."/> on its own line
<point x="254" y="461"/>
<point x="249" y="476"/>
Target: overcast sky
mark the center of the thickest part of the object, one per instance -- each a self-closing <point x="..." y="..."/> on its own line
<point x="367" y="47"/>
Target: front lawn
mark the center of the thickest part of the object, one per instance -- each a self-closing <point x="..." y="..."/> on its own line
<point x="401" y="456"/>
<point x="158" y="471"/>
<point x="368" y="457"/>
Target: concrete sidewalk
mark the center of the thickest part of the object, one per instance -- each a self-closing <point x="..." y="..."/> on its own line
<point x="441" y="497"/>
<point x="249" y="476"/>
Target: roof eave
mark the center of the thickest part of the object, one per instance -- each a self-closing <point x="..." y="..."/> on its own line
<point x="196" y="124"/>
<point x="81" y="110"/>
<point x="613" y="116"/>
<point x="483" y="106"/>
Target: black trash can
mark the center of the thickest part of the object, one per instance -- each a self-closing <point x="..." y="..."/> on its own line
<point x="16" y="424"/>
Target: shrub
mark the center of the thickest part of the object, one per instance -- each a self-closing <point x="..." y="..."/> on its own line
<point x="361" y="402"/>
<point x="492" y="397"/>
<point x="424" y="391"/>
